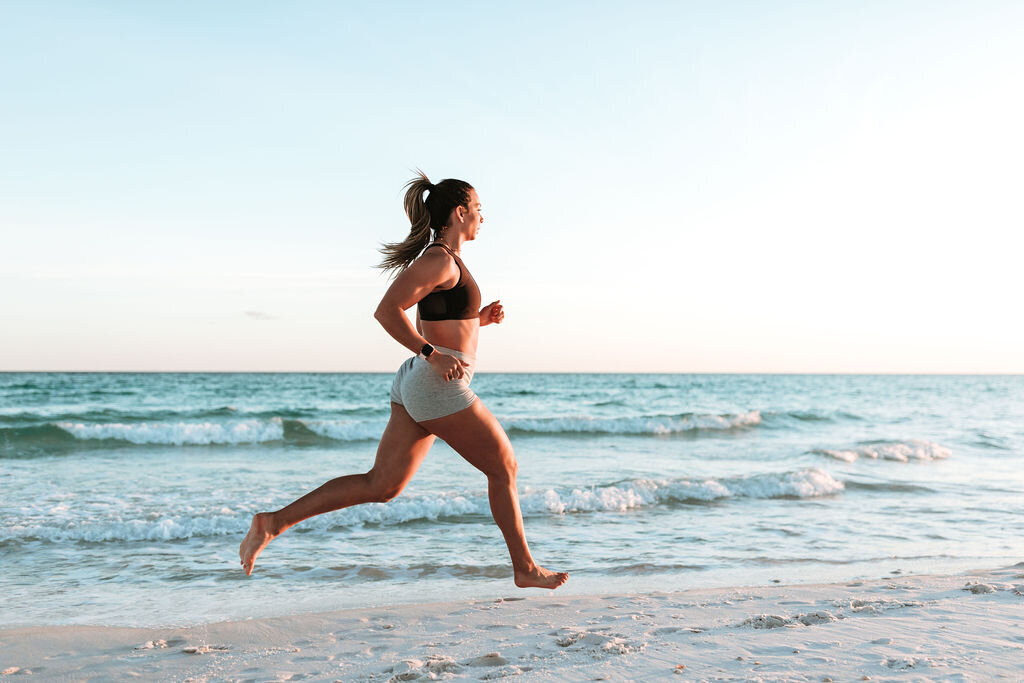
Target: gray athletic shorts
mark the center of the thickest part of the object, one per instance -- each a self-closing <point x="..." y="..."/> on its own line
<point x="425" y="395"/>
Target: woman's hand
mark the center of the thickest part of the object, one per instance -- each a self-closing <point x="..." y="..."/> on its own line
<point x="447" y="367"/>
<point x="492" y="313"/>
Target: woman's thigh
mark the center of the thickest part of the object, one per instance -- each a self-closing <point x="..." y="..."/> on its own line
<point x="402" y="448"/>
<point x="477" y="436"/>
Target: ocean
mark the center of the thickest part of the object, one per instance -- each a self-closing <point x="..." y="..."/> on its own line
<point x="123" y="497"/>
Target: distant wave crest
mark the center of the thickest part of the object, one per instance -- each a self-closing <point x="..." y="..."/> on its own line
<point x="303" y="431"/>
<point x="199" y="433"/>
<point x="899" y="451"/>
<point x="299" y="427"/>
<point x="646" y="424"/>
<point x="179" y="433"/>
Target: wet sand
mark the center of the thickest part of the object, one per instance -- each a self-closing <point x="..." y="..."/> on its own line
<point x="964" y="626"/>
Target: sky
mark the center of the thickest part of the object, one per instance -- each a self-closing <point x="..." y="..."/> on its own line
<point x="666" y="186"/>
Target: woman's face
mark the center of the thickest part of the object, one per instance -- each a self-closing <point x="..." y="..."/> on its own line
<point x="472" y="218"/>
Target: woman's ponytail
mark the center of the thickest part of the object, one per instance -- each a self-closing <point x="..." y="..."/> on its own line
<point x="423" y="214"/>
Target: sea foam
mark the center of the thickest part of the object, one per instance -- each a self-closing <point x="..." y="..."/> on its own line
<point x="899" y="451"/>
<point x="180" y="433"/>
<point x="645" y="424"/>
<point x="278" y="429"/>
<point x="451" y="506"/>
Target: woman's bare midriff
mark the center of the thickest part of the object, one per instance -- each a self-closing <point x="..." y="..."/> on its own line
<point x="461" y="335"/>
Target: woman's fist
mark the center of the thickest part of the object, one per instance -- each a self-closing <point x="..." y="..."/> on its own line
<point x="492" y="313"/>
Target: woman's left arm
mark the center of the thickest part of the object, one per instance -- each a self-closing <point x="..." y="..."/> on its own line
<point x="492" y="313"/>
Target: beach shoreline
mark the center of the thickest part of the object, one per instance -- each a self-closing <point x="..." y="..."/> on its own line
<point x="966" y="625"/>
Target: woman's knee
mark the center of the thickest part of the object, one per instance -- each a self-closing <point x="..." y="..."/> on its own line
<point x="506" y="468"/>
<point x="381" y="488"/>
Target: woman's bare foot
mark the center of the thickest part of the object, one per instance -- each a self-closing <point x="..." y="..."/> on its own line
<point x="540" y="578"/>
<point x="255" y="541"/>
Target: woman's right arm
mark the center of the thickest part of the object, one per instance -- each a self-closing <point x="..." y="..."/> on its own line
<point x="433" y="269"/>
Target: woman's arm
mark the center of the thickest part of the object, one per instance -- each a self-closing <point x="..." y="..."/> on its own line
<point x="431" y="270"/>
<point x="427" y="273"/>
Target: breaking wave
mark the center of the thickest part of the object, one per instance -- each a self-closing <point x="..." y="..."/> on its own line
<point x="647" y="424"/>
<point x="303" y="431"/>
<point x="899" y="451"/>
<point x="616" y="497"/>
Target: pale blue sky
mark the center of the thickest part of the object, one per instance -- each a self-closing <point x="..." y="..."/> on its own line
<point x="667" y="186"/>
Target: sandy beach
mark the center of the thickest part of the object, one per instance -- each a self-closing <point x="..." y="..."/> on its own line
<point x="903" y="627"/>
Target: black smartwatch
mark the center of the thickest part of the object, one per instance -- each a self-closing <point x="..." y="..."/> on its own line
<point x="426" y="351"/>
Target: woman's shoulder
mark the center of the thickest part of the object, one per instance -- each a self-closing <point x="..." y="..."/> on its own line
<point x="435" y="253"/>
<point x="434" y="263"/>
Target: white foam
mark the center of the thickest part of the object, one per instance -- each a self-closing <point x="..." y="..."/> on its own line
<point x="180" y="433"/>
<point x="662" y="424"/>
<point x="899" y="451"/>
<point x="220" y="520"/>
<point x="166" y="529"/>
<point x="346" y="430"/>
<point x="229" y="433"/>
<point x="266" y="430"/>
<point x="808" y="483"/>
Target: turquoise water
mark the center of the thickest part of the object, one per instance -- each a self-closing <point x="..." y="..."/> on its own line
<point x="123" y="497"/>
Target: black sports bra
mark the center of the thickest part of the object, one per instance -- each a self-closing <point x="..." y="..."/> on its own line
<point x="461" y="302"/>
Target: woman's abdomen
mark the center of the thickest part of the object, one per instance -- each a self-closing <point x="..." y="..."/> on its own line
<point x="455" y="334"/>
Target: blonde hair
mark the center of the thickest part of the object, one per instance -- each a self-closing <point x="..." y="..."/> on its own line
<point x="424" y="215"/>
